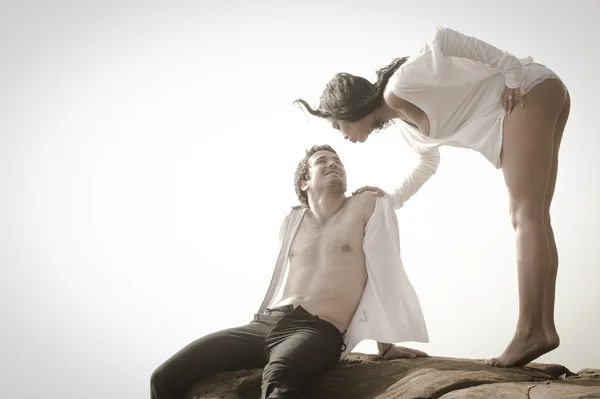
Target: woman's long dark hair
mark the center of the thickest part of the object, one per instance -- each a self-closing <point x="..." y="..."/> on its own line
<point x="350" y="98"/>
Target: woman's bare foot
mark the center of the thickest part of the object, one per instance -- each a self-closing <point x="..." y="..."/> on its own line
<point x="552" y="339"/>
<point x="523" y="349"/>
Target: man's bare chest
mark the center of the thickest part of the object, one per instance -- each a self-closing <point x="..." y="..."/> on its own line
<point x="344" y="236"/>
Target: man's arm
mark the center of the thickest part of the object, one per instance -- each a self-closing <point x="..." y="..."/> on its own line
<point x="366" y="205"/>
<point x="270" y="292"/>
<point x="384" y="349"/>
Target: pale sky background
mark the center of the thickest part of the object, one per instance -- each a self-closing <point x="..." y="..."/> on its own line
<point x="147" y="154"/>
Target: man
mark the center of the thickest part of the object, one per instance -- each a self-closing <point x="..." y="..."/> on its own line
<point x="338" y="280"/>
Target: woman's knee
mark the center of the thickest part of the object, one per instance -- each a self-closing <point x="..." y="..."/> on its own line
<point x="523" y="212"/>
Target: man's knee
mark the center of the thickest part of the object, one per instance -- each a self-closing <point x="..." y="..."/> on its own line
<point x="281" y="380"/>
<point x="157" y="383"/>
<point x="165" y="383"/>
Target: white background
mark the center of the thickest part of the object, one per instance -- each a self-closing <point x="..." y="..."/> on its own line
<point x="147" y="154"/>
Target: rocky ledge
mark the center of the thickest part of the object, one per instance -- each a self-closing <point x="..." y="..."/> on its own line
<point x="361" y="376"/>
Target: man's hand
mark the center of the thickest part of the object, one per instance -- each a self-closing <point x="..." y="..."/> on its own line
<point x="399" y="352"/>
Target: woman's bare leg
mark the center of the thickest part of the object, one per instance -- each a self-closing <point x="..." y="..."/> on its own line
<point x="549" y="326"/>
<point x="527" y="160"/>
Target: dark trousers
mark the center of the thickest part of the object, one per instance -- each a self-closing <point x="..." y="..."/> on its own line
<point x="292" y="346"/>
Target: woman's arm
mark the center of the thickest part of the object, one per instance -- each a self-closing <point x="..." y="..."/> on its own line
<point x="426" y="167"/>
<point x="456" y="44"/>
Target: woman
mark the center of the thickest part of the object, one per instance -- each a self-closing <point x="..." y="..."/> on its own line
<point x="463" y="92"/>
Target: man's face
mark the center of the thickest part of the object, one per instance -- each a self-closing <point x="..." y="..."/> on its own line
<point x="326" y="170"/>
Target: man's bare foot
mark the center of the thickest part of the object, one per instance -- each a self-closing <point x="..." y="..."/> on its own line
<point x="523" y="349"/>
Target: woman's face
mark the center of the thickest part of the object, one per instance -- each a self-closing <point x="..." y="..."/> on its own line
<point x="356" y="132"/>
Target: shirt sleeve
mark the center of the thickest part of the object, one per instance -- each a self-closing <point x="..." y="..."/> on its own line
<point x="283" y="229"/>
<point x="273" y="285"/>
<point x="382" y="249"/>
<point x="456" y="44"/>
<point x="426" y="167"/>
<point x="396" y="314"/>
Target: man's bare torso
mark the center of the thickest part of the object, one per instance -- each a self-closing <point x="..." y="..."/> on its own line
<point x="327" y="270"/>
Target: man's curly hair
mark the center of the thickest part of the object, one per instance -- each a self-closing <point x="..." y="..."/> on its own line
<point x="303" y="170"/>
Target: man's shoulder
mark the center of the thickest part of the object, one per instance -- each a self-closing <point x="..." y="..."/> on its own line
<point x="364" y="202"/>
<point x="375" y="208"/>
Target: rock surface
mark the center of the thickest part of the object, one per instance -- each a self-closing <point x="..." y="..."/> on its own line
<point x="362" y="376"/>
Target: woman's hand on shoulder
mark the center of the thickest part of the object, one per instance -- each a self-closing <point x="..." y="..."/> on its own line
<point x="376" y="191"/>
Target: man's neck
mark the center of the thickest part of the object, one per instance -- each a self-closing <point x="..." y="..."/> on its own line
<point x="326" y="205"/>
